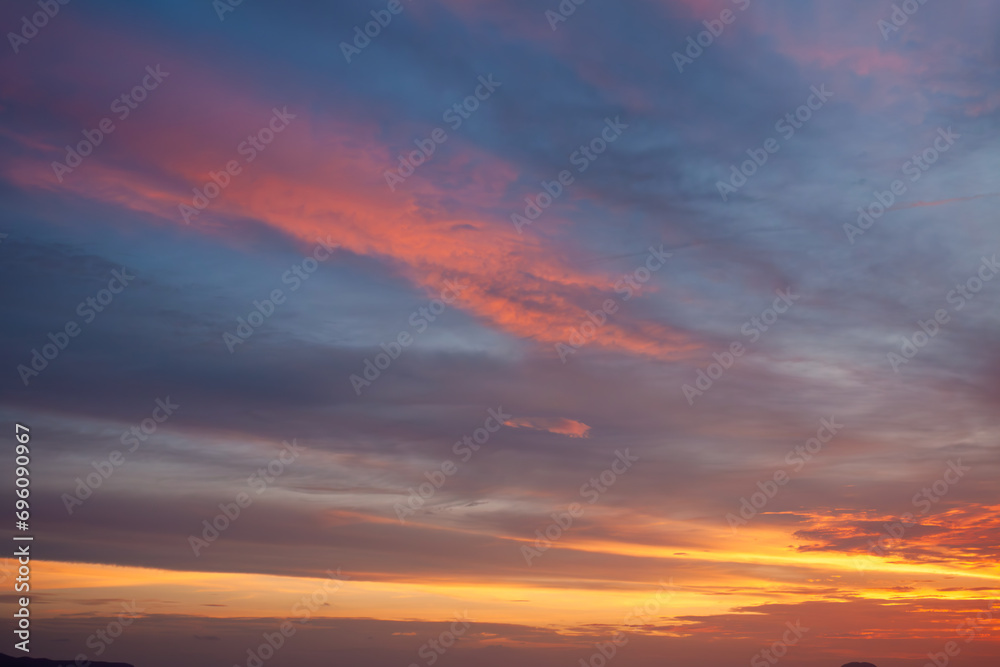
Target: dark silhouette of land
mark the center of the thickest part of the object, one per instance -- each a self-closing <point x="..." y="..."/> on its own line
<point x="9" y="661"/>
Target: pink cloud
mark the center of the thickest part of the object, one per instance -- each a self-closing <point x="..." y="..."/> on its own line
<point x="559" y="426"/>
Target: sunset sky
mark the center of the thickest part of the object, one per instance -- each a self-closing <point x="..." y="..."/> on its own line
<point x="673" y="318"/>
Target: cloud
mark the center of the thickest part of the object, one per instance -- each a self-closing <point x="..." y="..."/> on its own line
<point x="942" y="201"/>
<point x="568" y="427"/>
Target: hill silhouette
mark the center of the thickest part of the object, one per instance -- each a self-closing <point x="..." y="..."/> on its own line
<point x="10" y="661"/>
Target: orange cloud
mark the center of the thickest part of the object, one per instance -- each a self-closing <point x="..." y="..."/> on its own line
<point x="323" y="177"/>
<point x="569" y="427"/>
